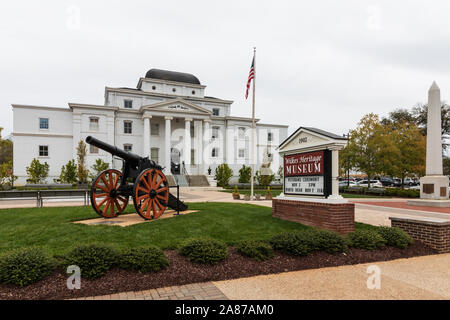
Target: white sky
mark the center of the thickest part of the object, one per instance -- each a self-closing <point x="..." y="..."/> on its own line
<point x="319" y="63"/>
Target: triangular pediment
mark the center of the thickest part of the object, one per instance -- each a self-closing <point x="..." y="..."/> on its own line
<point x="177" y="105"/>
<point x="310" y="138"/>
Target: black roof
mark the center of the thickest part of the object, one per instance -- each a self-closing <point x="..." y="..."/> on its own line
<point x="172" y="76"/>
<point x="318" y="131"/>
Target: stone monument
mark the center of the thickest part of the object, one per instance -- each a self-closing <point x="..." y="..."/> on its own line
<point x="434" y="186"/>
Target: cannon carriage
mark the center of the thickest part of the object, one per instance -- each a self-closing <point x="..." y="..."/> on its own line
<point x="141" y="178"/>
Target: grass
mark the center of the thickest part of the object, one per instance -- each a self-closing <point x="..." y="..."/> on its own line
<point x="277" y="192"/>
<point x="52" y="228"/>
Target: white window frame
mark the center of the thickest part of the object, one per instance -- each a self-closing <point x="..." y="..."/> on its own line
<point x="215" y="152"/>
<point x="269" y="136"/>
<point x="125" y="127"/>
<point x="94" y="125"/>
<point x="39" y="151"/>
<point x="126" y="146"/>
<point x="241" y="132"/>
<point x="48" y="123"/>
<point x="214" y="111"/>
<point x="128" y="101"/>
<point x="243" y="153"/>
<point x="215" y="128"/>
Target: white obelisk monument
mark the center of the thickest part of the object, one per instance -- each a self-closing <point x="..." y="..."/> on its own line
<point x="434" y="186"/>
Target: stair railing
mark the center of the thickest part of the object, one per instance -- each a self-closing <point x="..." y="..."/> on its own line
<point x="188" y="179"/>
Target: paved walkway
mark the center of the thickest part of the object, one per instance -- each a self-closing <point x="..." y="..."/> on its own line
<point x="415" y="278"/>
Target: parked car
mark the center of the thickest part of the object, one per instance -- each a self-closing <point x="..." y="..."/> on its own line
<point x="387" y="182"/>
<point x="344" y="183"/>
<point x="373" y="184"/>
<point x="397" y="182"/>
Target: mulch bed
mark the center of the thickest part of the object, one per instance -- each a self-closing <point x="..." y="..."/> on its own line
<point x="182" y="271"/>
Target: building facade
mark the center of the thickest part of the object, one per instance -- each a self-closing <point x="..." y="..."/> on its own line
<point x="167" y="117"/>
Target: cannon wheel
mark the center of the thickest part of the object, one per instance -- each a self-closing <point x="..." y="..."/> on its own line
<point x="104" y="198"/>
<point x="151" y="194"/>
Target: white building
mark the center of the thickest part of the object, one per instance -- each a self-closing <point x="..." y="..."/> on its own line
<point x="167" y="118"/>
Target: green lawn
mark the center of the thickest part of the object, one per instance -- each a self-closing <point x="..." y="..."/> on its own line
<point x="52" y="228"/>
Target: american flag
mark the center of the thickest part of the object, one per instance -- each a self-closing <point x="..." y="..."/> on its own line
<point x="251" y="75"/>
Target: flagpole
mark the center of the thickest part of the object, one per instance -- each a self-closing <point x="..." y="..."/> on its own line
<point x="252" y="142"/>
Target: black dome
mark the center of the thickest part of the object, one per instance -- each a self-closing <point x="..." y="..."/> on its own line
<point x="172" y="76"/>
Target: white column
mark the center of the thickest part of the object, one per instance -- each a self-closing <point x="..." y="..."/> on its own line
<point x="434" y="135"/>
<point x="198" y="145"/>
<point x="335" y="175"/>
<point x="206" y="138"/>
<point x="167" y="152"/>
<point x="230" y="142"/>
<point x="146" y="151"/>
<point x="187" y="143"/>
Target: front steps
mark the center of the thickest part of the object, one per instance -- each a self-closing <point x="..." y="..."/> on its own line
<point x="188" y="181"/>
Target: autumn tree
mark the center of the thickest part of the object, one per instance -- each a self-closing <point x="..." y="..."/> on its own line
<point x="82" y="170"/>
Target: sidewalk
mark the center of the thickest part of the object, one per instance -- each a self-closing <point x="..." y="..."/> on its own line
<point x="415" y="278"/>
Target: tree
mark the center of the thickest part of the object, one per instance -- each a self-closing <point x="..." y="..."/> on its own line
<point x="410" y="153"/>
<point x="37" y="172"/>
<point x="82" y="171"/>
<point x="446" y="165"/>
<point x="68" y="172"/>
<point x="245" y="174"/>
<point x="6" y="149"/>
<point x="370" y="148"/>
<point x="264" y="179"/>
<point x="7" y="176"/>
<point x="280" y="172"/>
<point x="98" y="167"/>
<point x="223" y="175"/>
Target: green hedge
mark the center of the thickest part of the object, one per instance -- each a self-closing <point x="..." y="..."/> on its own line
<point x="258" y="250"/>
<point x="25" y="266"/>
<point x="93" y="260"/>
<point x="366" y="239"/>
<point x="395" y="237"/>
<point x="147" y="259"/>
<point x="206" y="251"/>
<point x="389" y="192"/>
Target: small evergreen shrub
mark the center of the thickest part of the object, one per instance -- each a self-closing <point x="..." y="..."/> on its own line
<point x="297" y="243"/>
<point x="93" y="260"/>
<point x="395" y="237"/>
<point x="206" y="251"/>
<point x="366" y="239"/>
<point x="148" y="259"/>
<point x="328" y="241"/>
<point x="258" y="250"/>
<point x="25" y="266"/>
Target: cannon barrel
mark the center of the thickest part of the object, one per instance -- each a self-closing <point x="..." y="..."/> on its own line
<point x="127" y="156"/>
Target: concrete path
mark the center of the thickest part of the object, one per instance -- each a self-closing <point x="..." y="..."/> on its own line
<point x="404" y="279"/>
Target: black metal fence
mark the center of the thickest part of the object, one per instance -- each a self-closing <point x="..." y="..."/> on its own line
<point x="40" y="195"/>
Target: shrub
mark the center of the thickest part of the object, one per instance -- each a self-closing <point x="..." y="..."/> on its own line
<point x="245" y="174"/>
<point x="366" y="239"/>
<point x="207" y="251"/>
<point x="395" y="237"/>
<point x="93" y="260"/>
<point x="258" y="250"/>
<point x="297" y="243"/>
<point x="328" y="241"/>
<point x="25" y="266"/>
<point x="148" y="259"/>
<point x="223" y="175"/>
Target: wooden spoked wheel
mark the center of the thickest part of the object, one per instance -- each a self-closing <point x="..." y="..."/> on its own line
<point x="151" y="194"/>
<point x="105" y="199"/>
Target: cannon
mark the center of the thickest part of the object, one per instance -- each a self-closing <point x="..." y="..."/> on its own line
<point x="141" y="178"/>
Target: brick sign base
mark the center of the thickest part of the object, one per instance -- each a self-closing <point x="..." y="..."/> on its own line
<point x="433" y="232"/>
<point x="332" y="216"/>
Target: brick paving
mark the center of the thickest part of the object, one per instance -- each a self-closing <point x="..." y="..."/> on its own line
<point x="194" y="291"/>
<point x="404" y="205"/>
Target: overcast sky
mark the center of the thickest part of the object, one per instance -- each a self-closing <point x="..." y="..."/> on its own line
<point x="319" y="63"/>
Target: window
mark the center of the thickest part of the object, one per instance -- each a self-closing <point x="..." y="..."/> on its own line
<point x="174" y="90"/>
<point x="270" y="156"/>
<point x="192" y="156"/>
<point x="93" y="124"/>
<point x="154" y="129"/>
<point x="128" y="147"/>
<point x="269" y="136"/>
<point x="215" y="132"/>
<point x="154" y="154"/>
<point x="192" y="131"/>
<point x="193" y="91"/>
<point x="215" y="152"/>
<point x="43" y="151"/>
<point x="128" y="126"/>
<point x="241" y="131"/>
<point x="216" y="111"/>
<point x="93" y="149"/>
<point x="128" y="103"/>
<point x="43" y="123"/>
<point x="241" y="153"/>
<point x="153" y="87"/>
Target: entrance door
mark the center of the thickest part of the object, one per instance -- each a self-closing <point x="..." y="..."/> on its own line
<point x="175" y="156"/>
